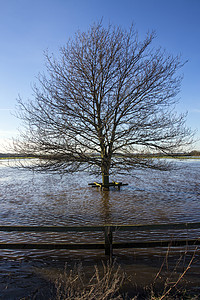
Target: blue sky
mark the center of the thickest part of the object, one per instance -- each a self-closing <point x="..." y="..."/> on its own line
<point x="28" y="27"/>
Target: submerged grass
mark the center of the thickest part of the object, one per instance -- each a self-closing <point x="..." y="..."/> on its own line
<point x="111" y="282"/>
<point x="102" y="285"/>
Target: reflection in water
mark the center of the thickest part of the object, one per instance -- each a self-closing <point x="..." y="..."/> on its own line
<point x="150" y="197"/>
<point x="43" y="199"/>
<point x="106" y="207"/>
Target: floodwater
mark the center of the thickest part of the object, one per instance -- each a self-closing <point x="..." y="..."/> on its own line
<point x="151" y="197"/>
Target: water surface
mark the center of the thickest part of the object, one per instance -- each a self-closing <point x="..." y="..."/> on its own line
<point x="28" y="198"/>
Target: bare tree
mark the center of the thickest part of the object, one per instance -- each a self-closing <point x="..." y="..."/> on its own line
<point x="105" y="99"/>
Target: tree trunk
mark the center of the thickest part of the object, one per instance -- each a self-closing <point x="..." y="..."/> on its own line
<point x="105" y="179"/>
<point x="105" y="165"/>
<point x="105" y="172"/>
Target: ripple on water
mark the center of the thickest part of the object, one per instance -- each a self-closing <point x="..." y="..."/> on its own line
<point x="150" y="197"/>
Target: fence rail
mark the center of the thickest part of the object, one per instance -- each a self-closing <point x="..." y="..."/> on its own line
<point x="108" y="230"/>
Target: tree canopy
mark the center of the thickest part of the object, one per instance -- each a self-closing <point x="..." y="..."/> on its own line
<point x="108" y="97"/>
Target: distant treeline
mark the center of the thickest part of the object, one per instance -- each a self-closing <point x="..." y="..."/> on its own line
<point x="192" y="153"/>
<point x="13" y="155"/>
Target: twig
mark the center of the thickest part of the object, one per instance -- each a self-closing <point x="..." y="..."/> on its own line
<point x="180" y="277"/>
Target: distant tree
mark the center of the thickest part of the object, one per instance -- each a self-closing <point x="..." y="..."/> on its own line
<point x="107" y="98"/>
<point x="194" y="153"/>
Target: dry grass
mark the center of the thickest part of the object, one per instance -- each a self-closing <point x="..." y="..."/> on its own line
<point x="171" y="284"/>
<point x="111" y="282"/>
<point x="103" y="285"/>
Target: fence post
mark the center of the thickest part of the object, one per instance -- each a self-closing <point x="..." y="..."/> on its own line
<point x="108" y="241"/>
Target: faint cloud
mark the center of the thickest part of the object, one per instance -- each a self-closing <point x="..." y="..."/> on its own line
<point x="6" y="109"/>
<point x="4" y="144"/>
<point x="195" y="110"/>
<point x="7" y="133"/>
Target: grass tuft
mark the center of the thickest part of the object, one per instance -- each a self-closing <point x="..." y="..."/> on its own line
<point x="111" y="282"/>
<point x="104" y="284"/>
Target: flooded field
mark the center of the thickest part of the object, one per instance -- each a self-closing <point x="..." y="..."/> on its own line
<point x="42" y="199"/>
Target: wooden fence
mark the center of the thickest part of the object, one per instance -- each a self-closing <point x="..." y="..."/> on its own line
<point x="108" y="245"/>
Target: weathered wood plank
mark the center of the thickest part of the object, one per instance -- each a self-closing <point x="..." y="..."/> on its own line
<point x="154" y="244"/>
<point x="78" y="246"/>
<point x="149" y="227"/>
<point x="51" y="228"/>
<point x="108" y="240"/>
<point x="108" y="244"/>
<point x="45" y="246"/>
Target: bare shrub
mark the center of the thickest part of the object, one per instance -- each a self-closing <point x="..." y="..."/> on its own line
<point x="172" y="284"/>
<point x="104" y="284"/>
<point x="111" y="282"/>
